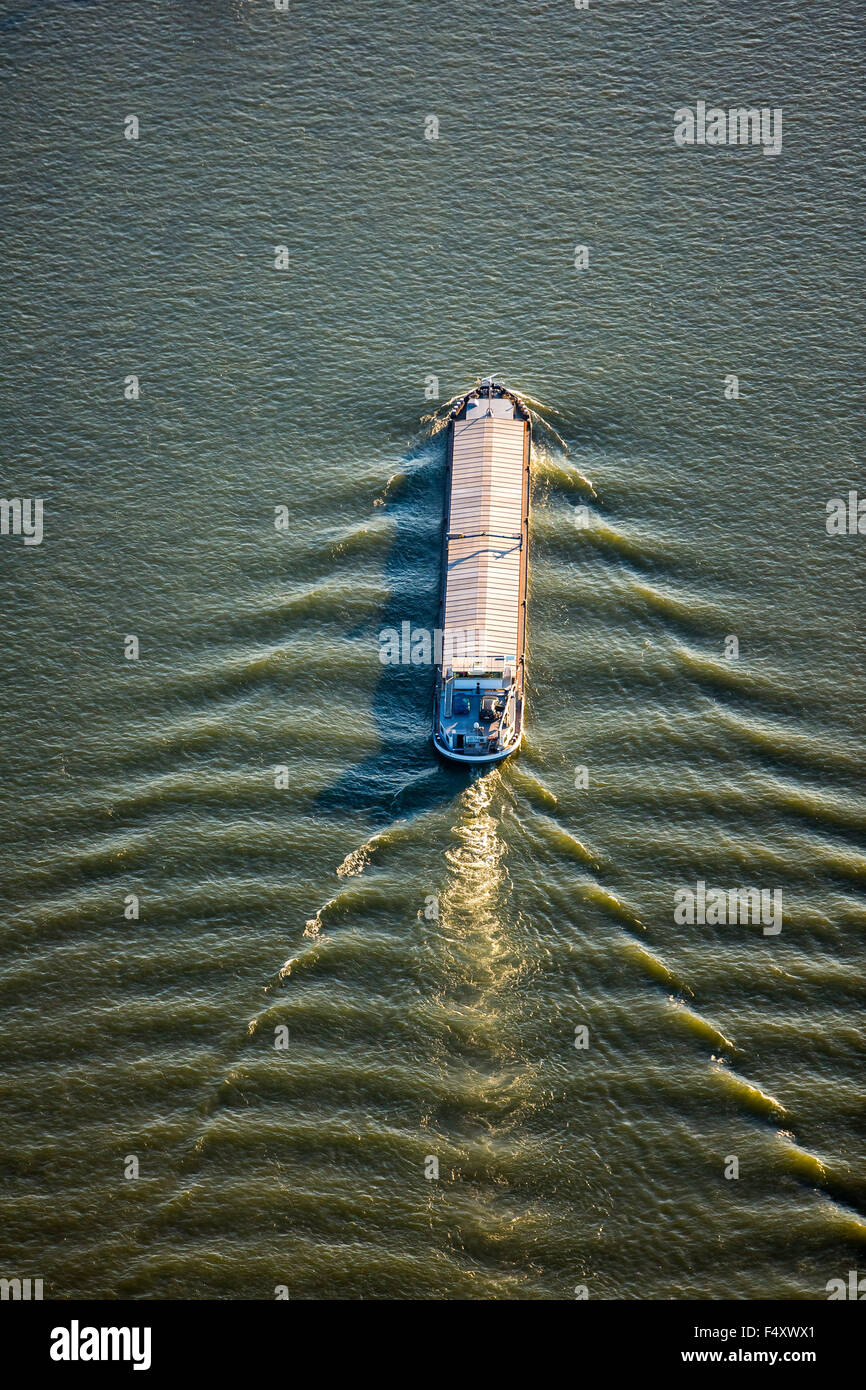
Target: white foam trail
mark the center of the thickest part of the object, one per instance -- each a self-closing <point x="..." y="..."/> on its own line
<point x="438" y="419"/>
<point x="553" y="465"/>
<point x="357" y="860"/>
<point x="549" y="408"/>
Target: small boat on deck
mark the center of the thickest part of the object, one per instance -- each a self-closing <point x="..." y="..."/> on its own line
<point x="479" y="705"/>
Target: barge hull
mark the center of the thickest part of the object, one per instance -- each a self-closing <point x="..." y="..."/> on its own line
<point x="480" y="684"/>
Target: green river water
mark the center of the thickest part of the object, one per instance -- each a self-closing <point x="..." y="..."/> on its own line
<point x="428" y="940"/>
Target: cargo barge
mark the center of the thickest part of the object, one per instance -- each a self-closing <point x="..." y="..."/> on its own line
<point x="479" y="699"/>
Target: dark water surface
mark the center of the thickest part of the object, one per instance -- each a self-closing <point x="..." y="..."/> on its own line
<point x="412" y="1035"/>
